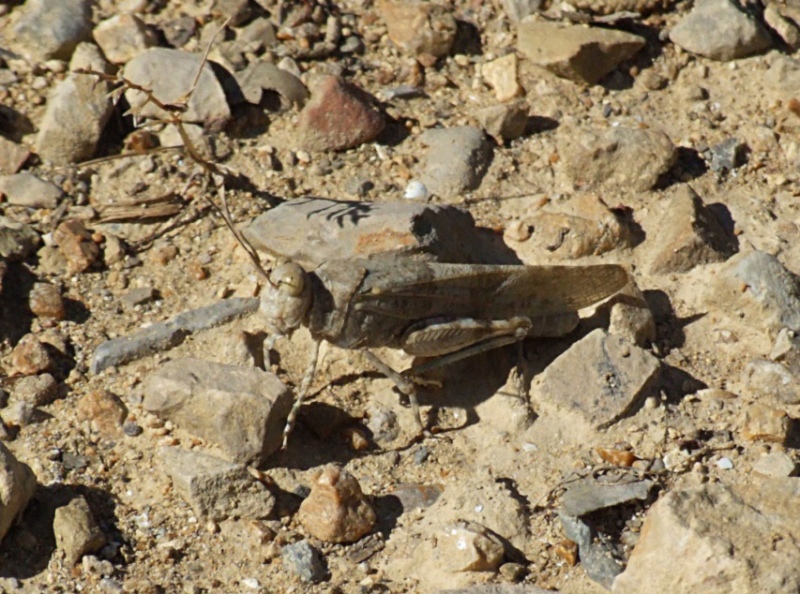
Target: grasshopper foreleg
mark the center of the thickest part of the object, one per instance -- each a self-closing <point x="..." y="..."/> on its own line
<point x="305" y="384"/>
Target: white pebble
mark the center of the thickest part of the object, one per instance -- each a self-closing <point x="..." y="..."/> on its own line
<point x="251" y="583"/>
<point x="725" y="463"/>
<point x="416" y="190"/>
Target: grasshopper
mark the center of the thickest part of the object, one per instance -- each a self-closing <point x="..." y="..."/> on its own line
<point x="444" y="312"/>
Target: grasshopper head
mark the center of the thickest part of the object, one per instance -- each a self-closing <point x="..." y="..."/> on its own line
<point x="285" y="302"/>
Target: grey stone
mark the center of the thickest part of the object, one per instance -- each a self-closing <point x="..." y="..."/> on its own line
<point x="77" y="111"/>
<point x="595" y="554"/>
<point x="166" y="335"/>
<point x="238" y="11"/>
<point x="771" y="300"/>
<point x="26" y="189"/>
<point x="456" y="159"/>
<point x="620" y="158"/>
<point x="776" y="464"/>
<point x="726" y="155"/>
<point x="724" y="539"/>
<point x="519" y="9"/>
<point x="17" y="240"/>
<point x="76" y="531"/>
<point x="52" y="28"/>
<point x="242" y="410"/>
<point x="258" y="34"/>
<point x="122" y="37"/>
<point x="216" y="489"/>
<point x="634" y="322"/>
<point x="720" y="30"/>
<point x="19" y="414"/>
<point x="600" y="378"/>
<point x="259" y="76"/>
<point x="771" y="382"/>
<point x="579" y="53"/>
<point x="305" y="561"/>
<point x="787" y="346"/>
<point x="138" y="296"/>
<point x="17" y="485"/>
<point x="312" y="231"/>
<point x="207" y="104"/>
<point x="688" y="234"/>
<point x="590" y="494"/>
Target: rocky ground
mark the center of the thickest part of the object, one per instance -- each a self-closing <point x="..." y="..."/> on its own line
<point x="653" y="448"/>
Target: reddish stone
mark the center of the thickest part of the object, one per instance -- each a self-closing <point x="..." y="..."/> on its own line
<point x="105" y="411"/>
<point x="45" y="301"/>
<point x="76" y="245"/>
<point x="30" y="356"/>
<point x="339" y="116"/>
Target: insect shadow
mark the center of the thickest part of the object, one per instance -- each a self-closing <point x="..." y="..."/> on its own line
<point x="339" y="213"/>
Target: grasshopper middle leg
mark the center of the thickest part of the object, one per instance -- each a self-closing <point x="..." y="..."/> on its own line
<point x="448" y="342"/>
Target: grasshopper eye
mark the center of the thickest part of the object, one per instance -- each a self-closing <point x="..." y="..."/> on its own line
<point x="288" y="277"/>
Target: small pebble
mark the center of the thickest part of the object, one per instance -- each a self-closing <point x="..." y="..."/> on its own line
<point x="416" y="190"/>
<point x="725" y="463"/>
<point x="421" y="454"/>
<point x="132" y="429"/>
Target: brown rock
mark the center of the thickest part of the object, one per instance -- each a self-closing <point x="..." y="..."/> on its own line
<point x="338" y="116"/>
<point x="599" y="379"/>
<point x="12" y="156"/>
<point x="76" y="531"/>
<point x="45" y="301"/>
<point x="501" y="75"/>
<point x="336" y="509"/>
<point x="577" y="52"/>
<point x="765" y="423"/>
<point x="631" y="318"/>
<point x="243" y="410"/>
<point x="30" y="356"/>
<point x="728" y="539"/>
<point x="216" y="489"/>
<point x="469" y="546"/>
<point x="104" y="411"/>
<point x="688" y="234"/>
<point x="76" y="245"/>
<point x="504" y="122"/>
<point x="620" y="158"/>
<point x="419" y="28"/>
<point x="36" y="390"/>
<point x="17" y="484"/>
<point x="583" y="226"/>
